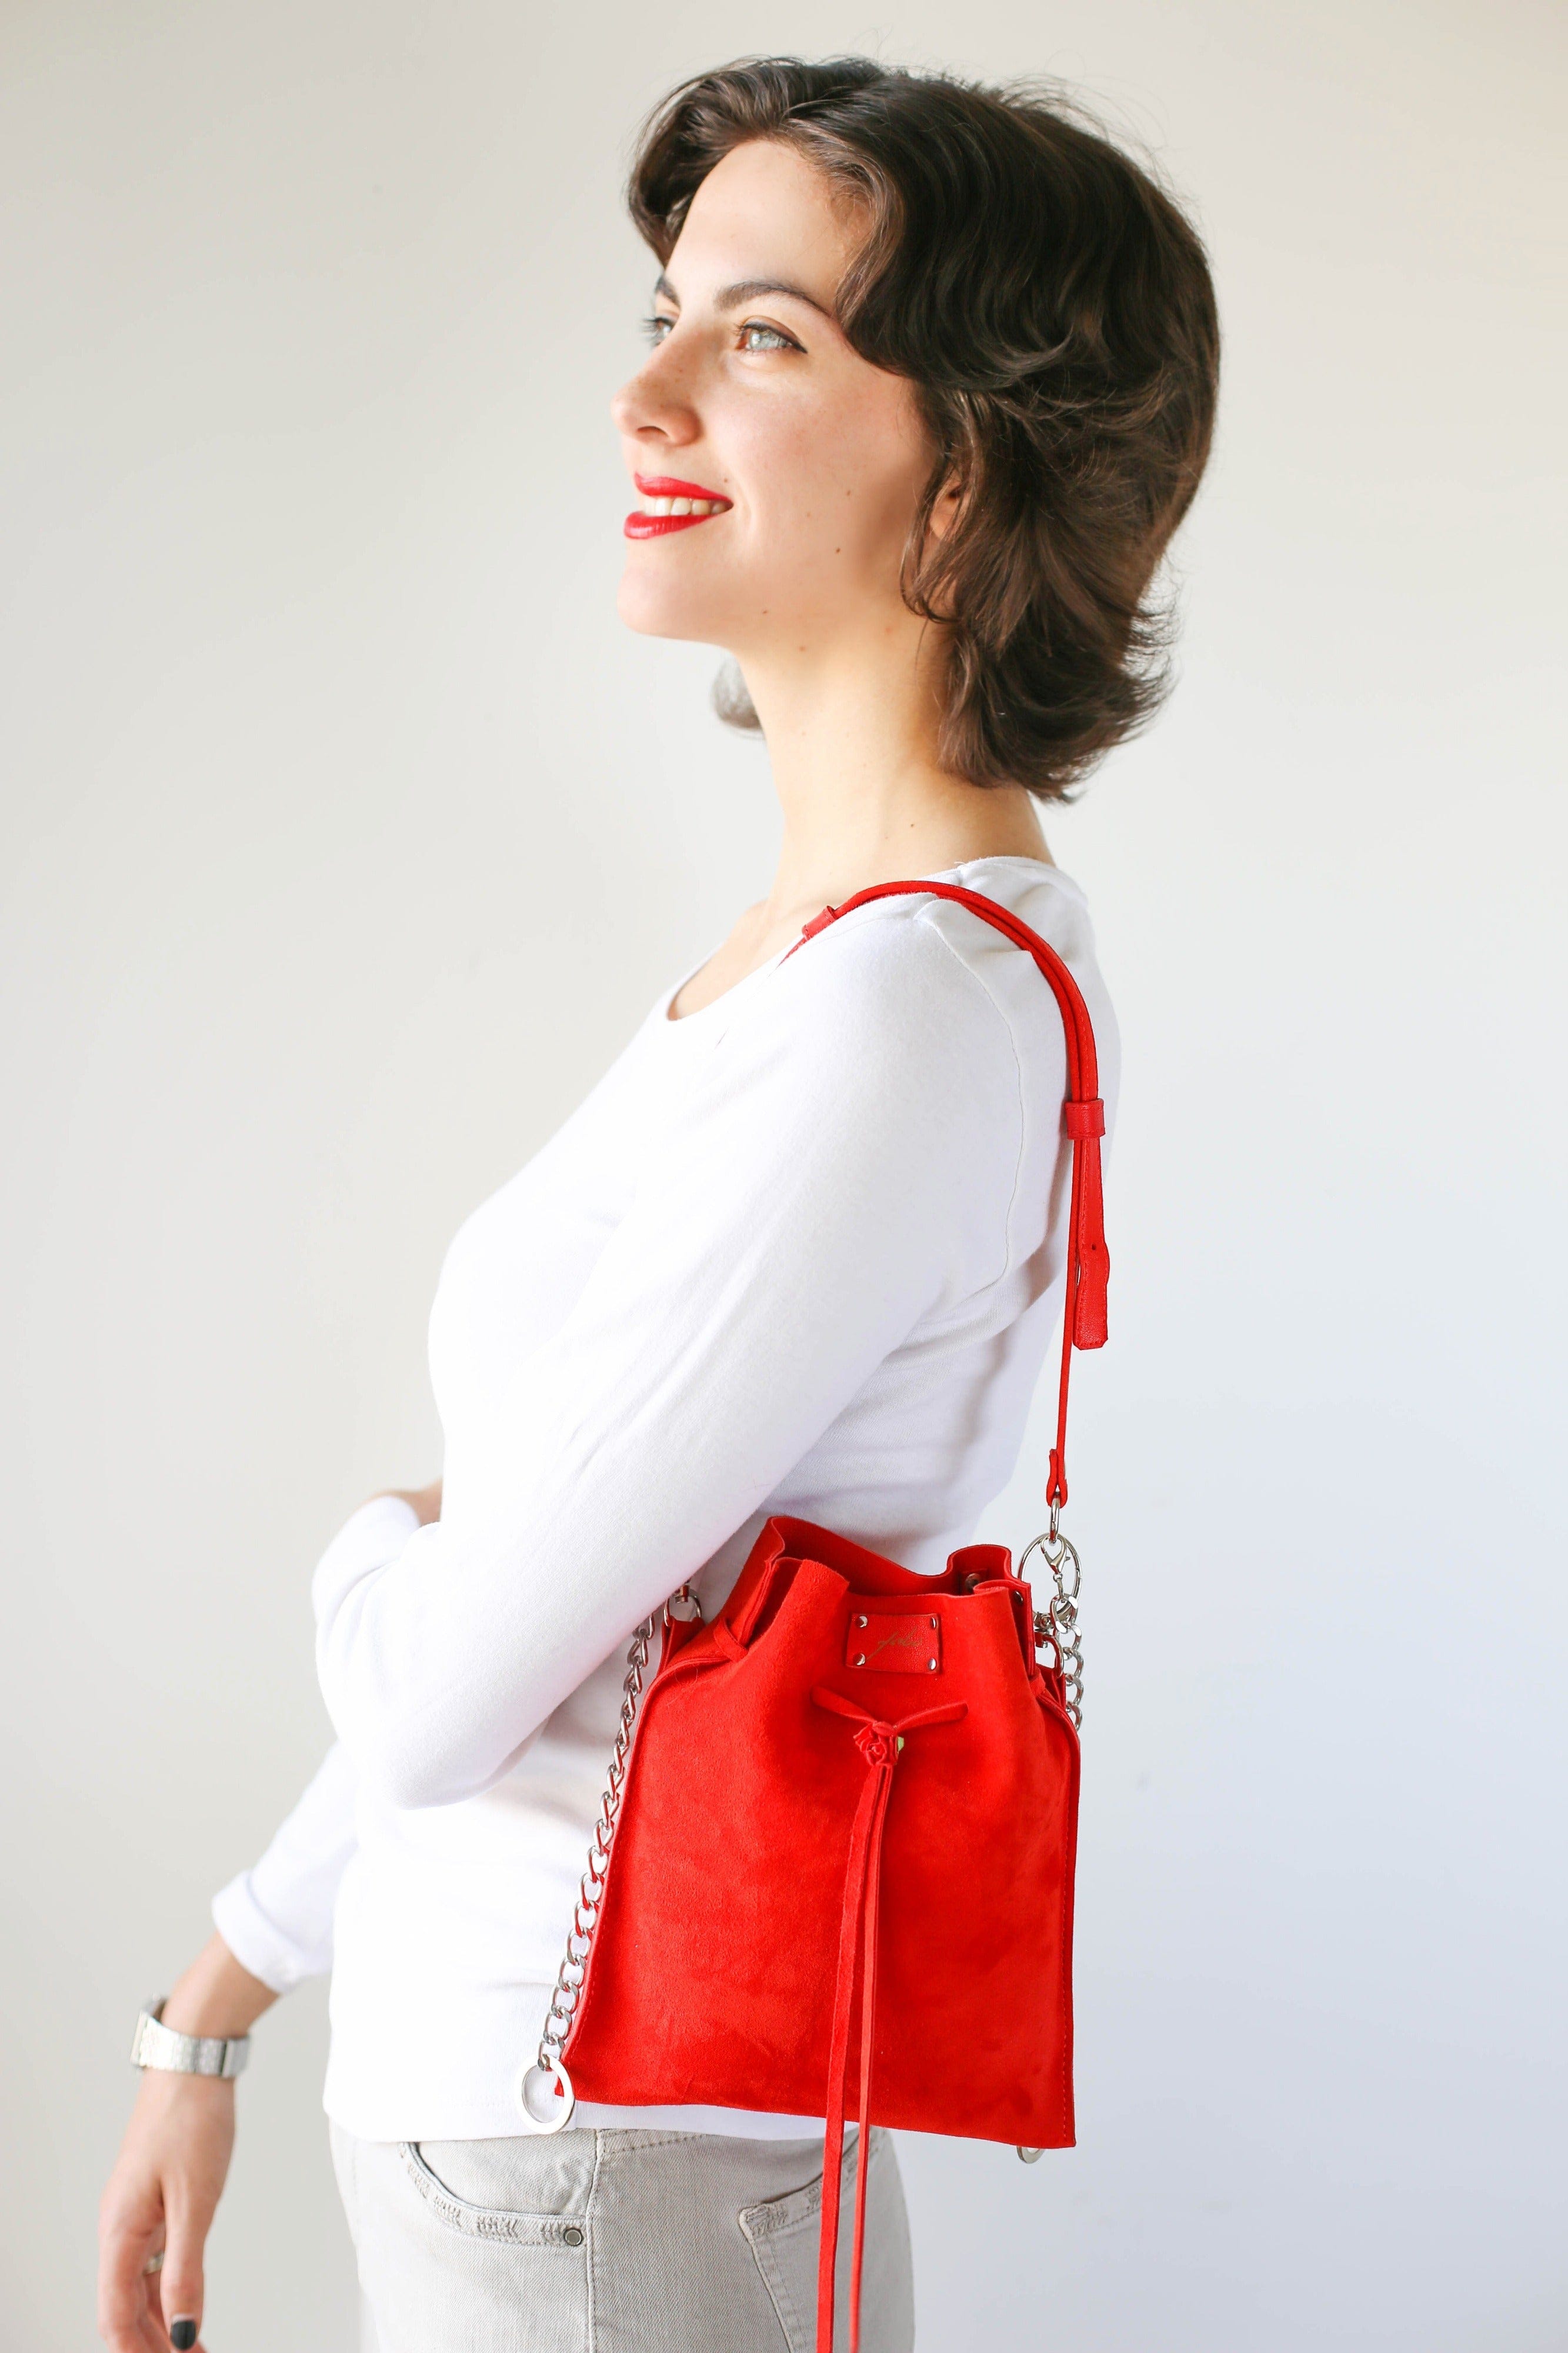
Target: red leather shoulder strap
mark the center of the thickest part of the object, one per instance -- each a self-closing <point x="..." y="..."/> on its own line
<point x="1083" y="1122"/>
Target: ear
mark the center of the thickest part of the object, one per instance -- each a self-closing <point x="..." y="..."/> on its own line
<point x="945" y="507"/>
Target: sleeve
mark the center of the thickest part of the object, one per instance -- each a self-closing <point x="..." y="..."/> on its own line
<point x="843" y="1165"/>
<point x="277" y="1918"/>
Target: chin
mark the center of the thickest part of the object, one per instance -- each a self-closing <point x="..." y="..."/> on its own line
<point x="663" y="608"/>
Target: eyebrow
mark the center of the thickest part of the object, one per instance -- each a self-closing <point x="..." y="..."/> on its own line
<point x="746" y="290"/>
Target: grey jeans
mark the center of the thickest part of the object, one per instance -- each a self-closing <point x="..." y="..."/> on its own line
<point x="615" y="2242"/>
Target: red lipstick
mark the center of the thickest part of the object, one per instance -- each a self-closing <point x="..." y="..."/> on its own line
<point x="638" y="525"/>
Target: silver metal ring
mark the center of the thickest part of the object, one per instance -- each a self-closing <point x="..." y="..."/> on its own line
<point x="1050" y="1550"/>
<point x="547" y="2096"/>
<point x="153" y="2264"/>
<point x="1058" y="1622"/>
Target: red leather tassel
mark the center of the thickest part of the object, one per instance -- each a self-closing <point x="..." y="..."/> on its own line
<point x="880" y="1744"/>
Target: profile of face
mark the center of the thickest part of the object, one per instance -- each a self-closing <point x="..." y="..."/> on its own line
<point x="803" y="465"/>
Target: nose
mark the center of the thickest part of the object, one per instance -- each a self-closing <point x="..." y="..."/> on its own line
<point x="655" y="407"/>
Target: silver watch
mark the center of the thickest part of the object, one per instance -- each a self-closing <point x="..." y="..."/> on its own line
<point x="157" y="2045"/>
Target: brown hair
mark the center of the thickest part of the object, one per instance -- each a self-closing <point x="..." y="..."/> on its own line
<point x="1055" y="311"/>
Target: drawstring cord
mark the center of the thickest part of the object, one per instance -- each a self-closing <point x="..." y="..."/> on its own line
<point x="880" y="1744"/>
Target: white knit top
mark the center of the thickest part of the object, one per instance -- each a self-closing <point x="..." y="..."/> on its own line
<point x="798" y="1251"/>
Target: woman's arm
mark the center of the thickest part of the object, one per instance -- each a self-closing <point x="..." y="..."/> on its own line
<point x="846" y="1167"/>
<point x="277" y="1916"/>
<point x="424" y="1502"/>
<point x="172" y="2166"/>
<point x="275" y="1927"/>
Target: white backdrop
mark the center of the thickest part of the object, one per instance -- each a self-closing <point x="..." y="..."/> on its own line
<point x="346" y="837"/>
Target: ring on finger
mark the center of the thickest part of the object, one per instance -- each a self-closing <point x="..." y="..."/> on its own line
<point x="154" y="2262"/>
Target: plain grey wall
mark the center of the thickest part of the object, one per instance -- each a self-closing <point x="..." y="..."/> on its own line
<point x="347" y="836"/>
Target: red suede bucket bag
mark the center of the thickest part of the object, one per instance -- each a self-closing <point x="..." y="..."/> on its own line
<point x="842" y="1818"/>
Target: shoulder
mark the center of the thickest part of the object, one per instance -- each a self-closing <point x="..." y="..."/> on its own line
<point x="892" y="963"/>
<point x="879" y="1010"/>
<point x="924" y="982"/>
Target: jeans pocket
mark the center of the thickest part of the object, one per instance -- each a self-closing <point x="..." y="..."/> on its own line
<point x="783" y="2235"/>
<point x="517" y="2226"/>
<point x="785" y="2238"/>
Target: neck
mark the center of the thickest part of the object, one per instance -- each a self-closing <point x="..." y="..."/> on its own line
<point x="853" y="746"/>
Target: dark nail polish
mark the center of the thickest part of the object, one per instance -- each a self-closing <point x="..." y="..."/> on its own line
<point x="181" y="2335"/>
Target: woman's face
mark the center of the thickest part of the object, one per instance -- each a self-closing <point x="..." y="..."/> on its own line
<point x="752" y="402"/>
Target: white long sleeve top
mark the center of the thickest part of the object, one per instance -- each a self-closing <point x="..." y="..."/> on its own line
<point x="798" y="1251"/>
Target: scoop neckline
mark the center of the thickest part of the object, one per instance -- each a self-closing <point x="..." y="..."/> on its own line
<point x="661" y="1017"/>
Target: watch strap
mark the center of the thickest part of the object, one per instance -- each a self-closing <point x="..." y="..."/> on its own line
<point x="157" y="2045"/>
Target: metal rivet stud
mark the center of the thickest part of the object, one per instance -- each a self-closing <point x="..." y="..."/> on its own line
<point x="861" y="1659"/>
<point x="572" y="2236"/>
<point x="859" y="1621"/>
<point x="931" y="1665"/>
<point x="933" y="1621"/>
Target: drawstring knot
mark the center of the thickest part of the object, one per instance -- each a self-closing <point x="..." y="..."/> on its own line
<point x="878" y="1744"/>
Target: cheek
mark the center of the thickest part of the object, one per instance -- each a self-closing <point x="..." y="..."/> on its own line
<point x="837" y="485"/>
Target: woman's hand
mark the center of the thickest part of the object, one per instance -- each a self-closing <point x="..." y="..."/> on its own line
<point x="163" y="2192"/>
<point x="424" y="1501"/>
<point x="161" y="2197"/>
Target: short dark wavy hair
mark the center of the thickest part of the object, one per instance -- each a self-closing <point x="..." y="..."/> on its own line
<point x="1055" y="311"/>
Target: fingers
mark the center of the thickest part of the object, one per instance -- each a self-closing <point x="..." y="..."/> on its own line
<point x="125" y="2242"/>
<point x="159" y="2339"/>
<point x="131" y="2326"/>
<point x="181" y="2284"/>
<point x="151" y="2337"/>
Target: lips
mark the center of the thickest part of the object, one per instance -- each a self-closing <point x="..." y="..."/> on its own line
<point x="671" y="505"/>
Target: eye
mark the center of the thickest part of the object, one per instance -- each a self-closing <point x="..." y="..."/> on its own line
<point x="656" y="328"/>
<point x="756" y="335"/>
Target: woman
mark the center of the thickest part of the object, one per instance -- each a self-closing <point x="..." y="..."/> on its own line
<point x="930" y="383"/>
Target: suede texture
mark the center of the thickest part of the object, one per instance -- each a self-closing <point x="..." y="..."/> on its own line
<point x="713" y="1968"/>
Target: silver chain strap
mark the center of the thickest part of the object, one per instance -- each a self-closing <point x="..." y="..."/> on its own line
<point x="548" y="2099"/>
<point x="547" y="2093"/>
<point x="1058" y="1622"/>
